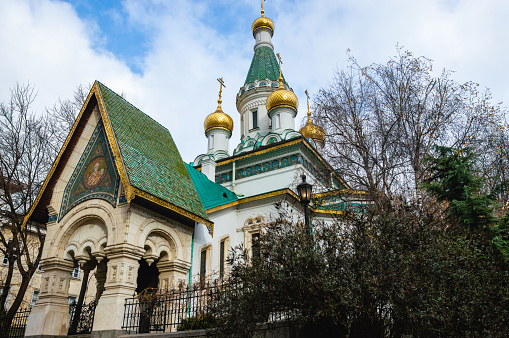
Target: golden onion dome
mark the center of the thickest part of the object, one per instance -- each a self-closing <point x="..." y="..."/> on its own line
<point x="282" y="97"/>
<point x="312" y="131"/>
<point x="263" y="22"/>
<point x="218" y="120"/>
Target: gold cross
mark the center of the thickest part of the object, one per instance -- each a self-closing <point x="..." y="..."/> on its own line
<point x="307" y="96"/>
<point x="262" y="8"/>
<point x="221" y="85"/>
<point x="280" y="62"/>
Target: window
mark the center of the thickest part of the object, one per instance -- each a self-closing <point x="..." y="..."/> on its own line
<point x="5" y="260"/>
<point x="221" y="259"/>
<point x="71" y="299"/>
<point x="35" y="298"/>
<point x="203" y="266"/>
<point x="255" y="119"/>
<point x="76" y="272"/>
<point x="211" y="142"/>
<point x="255" y="245"/>
<point x="277" y="119"/>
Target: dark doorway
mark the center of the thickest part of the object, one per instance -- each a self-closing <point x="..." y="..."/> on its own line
<point x="148" y="276"/>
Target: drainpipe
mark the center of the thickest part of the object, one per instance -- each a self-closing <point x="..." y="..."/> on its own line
<point x="192" y="254"/>
<point x="190" y="274"/>
<point x="233" y="176"/>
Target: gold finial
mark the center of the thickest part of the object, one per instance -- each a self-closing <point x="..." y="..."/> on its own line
<point x="221" y="85"/>
<point x="280" y="76"/>
<point x="307" y="96"/>
<point x="263" y="12"/>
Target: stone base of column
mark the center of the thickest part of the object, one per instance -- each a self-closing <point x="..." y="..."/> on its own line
<point x="49" y="318"/>
<point x="109" y="313"/>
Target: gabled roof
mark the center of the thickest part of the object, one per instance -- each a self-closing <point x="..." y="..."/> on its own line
<point x="146" y="157"/>
<point x="264" y="65"/>
<point x="211" y="193"/>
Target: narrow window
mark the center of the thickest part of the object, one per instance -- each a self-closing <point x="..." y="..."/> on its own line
<point x="203" y="266"/>
<point x="255" y="245"/>
<point x="76" y="272"/>
<point x="278" y="121"/>
<point x="221" y="258"/>
<point x="211" y="142"/>
<point x="71" y="299"/>
<point x="5" y="260"/>
<point x="255" y="119"/>
<point x="35" y="297"/>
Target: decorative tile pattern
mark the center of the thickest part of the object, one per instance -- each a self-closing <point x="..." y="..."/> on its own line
<point x="264" y="65"/>
<point x="151" y="158"/>
<point x="94" y="176"/>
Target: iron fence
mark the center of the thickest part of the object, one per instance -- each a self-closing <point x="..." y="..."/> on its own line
<point x="18" y="324"/>
<point x="156" y="311"/>
<point x="86" y="318"/>
<point x="181" y="309"/>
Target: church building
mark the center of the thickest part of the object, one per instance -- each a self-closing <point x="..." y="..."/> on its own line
<point x="120" y="201"/>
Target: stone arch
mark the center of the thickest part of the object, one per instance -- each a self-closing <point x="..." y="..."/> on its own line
<point x="155" y="227"/>
<point x="96" y="212"/>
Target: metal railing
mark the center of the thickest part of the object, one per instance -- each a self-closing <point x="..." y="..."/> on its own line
<point x="18" y="325"/>
<point x="86" y="318"/>
<point x="156" y="311"/>
<point x="186" y="308"/>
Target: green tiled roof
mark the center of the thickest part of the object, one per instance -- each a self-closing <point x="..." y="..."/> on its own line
<point x="211" y="193"/>
<point x="151" y="158"/>
<point x="263" y="66"/>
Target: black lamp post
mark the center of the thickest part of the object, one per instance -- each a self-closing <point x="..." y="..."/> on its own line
<point x="305" y="190"/>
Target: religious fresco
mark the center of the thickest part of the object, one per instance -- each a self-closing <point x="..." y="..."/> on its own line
<point x="94" y="176"/>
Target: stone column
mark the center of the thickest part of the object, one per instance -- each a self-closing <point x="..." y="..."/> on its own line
<point x="171" y="273"/>
<point x="122" y="272"/>
<point x="50" y="315"/>
<point x="100" y="277"/>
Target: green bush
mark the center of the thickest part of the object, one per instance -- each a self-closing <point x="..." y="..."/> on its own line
<point x="198" y="322"/>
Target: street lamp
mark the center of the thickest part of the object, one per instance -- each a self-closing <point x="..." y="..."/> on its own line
<point x="305" y="190"/>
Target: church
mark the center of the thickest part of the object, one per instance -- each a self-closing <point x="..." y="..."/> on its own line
<point x="120" y="201"/>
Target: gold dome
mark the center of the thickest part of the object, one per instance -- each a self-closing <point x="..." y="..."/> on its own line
<point x="282" y="97"/>
<point x="263" y="22"/>
<point x="218" y="120"/>
<point x="312" y="131"/>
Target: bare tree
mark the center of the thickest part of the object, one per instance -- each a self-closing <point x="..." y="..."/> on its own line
<point x="28" y="145"/>
<point x="381" y="121"/>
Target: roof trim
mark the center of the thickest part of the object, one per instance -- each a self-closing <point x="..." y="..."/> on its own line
<point x="57" y="159"/>
<point x="174" y="208"/>
<point x="118" y="158"/>
<point x="286" y="143"/>
<point x="285" y="191"/>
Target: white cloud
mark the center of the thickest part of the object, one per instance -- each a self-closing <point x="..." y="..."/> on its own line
<point x="47" y="43"/>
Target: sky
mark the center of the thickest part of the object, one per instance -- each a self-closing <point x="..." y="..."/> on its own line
<point x="165" y="55"/>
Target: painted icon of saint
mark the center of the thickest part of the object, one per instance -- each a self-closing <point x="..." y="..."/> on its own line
<point x="95" y="173"/>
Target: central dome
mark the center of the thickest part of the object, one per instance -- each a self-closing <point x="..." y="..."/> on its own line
<point x="282" y="97"/>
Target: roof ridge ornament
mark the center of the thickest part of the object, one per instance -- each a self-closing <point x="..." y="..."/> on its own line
<point x="221" y="85"/>
<point x="280" y="62"/>
<point x="307" y="97"/>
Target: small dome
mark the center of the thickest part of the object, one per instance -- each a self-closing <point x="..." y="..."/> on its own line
<point x="218" y="120"/>
<point x="282" y="97"/>
<point x="263" y="22"/>
<point x="312" y="131"/>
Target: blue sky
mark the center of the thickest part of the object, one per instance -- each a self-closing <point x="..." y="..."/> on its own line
<point x="165" y="56"/>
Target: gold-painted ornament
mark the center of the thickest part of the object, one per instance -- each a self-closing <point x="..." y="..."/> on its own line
<point x="218" y="119"/>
